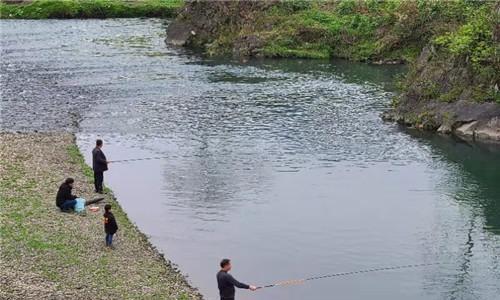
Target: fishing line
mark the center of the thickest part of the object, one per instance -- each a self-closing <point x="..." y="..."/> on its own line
<point x="205" y="144"/>
<point x="142" y="158"/>
<point x="301" y="281"/>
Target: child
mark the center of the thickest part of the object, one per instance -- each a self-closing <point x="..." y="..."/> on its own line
<point x="110" y="226"/>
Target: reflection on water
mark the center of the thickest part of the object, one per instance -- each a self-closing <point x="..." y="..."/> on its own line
<point x="282" y="165"/>
<point x="477" y="190"/>
<point x="482" y="163"/>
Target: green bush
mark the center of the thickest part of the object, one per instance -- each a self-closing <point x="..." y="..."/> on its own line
<point x="473" y="39"/>
<point x="365" y="30"/>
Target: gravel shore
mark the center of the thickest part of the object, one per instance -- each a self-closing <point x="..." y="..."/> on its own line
<point x="46" y="254"/>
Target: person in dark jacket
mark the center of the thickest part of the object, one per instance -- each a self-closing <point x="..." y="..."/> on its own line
<point x="226" y="281"/>
<point x="110" y="226"/>
<point x="64" y="199"/>
<point x="100" y="165"/>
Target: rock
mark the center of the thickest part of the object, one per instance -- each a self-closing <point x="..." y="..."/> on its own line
<point x="484" y="130"/>
<point x="463" y="118"/>
<point x="466" y="130"/>
<point x="488" y="134"/>
<point x="179" y="33"/>
<point x="203" y="24"/>
<point x="387" y="116"/>
<point x="489" y="130"/>
<point x="445" y="129"/>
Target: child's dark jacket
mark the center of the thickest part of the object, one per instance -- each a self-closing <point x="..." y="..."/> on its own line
<point x="110" y="226"/>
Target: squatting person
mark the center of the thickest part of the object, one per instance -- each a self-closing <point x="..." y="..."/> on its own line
<point x="65" y="200"/>
<point x="100" y="165"/>
<point x="226" y="281"/>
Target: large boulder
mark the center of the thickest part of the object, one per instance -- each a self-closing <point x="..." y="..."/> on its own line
<point x="205" y="24"/>
<point x="179" y="33"/>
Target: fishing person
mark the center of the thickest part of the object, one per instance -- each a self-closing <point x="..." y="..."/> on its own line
<point x="226" y="282"/>
<point x="65" y="200"/>
<point x="110" y="226"/>
<point x="99" y="165"/>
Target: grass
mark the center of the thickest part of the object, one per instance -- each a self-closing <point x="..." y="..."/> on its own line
<point x="369" y="30"/>
<point x="67" y="9"/>
<point x="46" y="254"/>
<point x="77" y="158"/>
<point x="360" y="30"/>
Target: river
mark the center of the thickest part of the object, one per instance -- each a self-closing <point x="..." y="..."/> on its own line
<point x="284" y="166"/>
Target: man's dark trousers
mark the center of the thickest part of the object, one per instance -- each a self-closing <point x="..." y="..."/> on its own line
<point x="98" y="179"/>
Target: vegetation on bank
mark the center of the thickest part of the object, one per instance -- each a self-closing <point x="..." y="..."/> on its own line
<point x="452" y="46"/>
<point x="47" y="254"/>
<point x="462" y="63"/>
<point x="455" y="79"/>
<point x="370" y="30"/>
<point x="67" y="9"/>
<point x="356" y="30"/>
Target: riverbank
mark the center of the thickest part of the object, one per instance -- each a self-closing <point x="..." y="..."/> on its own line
<point x="46" y="254"/>
<point x="452" y="48"/>
<point x="82" y="9"/>
<point x="371" y="31"/>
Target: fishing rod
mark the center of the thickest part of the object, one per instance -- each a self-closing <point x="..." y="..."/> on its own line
<point x="300" y="281"/>
<point x="153" y="157"/>
<point x="142" y="158"/>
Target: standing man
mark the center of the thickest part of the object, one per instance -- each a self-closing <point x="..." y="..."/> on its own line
<point x="99" y="164"/>
<point x="226" y="281"/>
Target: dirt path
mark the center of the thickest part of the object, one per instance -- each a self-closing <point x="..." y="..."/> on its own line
<point x="46" y="254"/>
